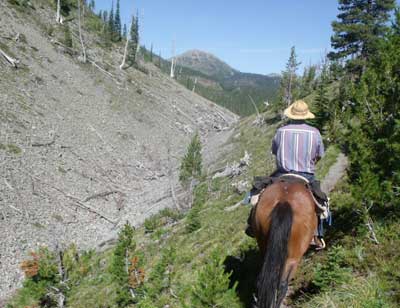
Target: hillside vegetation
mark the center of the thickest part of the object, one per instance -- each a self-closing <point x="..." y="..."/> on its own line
<point x="201" y="257"/>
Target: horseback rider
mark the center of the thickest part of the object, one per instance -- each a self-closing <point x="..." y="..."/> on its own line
<point x="297" y="147"/>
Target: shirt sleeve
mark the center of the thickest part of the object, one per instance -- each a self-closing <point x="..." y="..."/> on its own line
<point x="320" y="147"/>
<point x="275" y="144"/>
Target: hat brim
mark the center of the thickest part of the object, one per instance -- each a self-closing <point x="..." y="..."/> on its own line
<point x="290" y="115"/>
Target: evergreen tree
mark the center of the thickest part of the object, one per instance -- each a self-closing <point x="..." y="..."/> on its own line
<point x="100" y="14"/>
<point x="151" y="53"/>
<point x="124" y="32"/>
<point x="123" y="251"/>
<point x="361" y="24"/>
<point x="396" y="23"/>
<point x="211" y="288"/>
<point x="105" y="17"/>
<point x="289" y="83"/>
<point x="373" y="135"/>
<point x="308" y="80"/>
<point x="92" y="5"/>
<point x="137" y="33"/>
<point x="322" y="101"/>
<point x="67" y="36"/>
<point x="191" y="164"/>
<point x="111" y="22"/>
<point x="133" y="42"/>
<point x="117" y="23"/>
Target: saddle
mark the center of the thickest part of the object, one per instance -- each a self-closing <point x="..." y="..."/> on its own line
<point x="320" y="198"/>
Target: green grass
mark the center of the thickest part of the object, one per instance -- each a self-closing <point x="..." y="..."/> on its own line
<point x="11" y="148"/>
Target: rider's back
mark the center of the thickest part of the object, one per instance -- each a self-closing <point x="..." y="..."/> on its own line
<point x="297" y="147"/>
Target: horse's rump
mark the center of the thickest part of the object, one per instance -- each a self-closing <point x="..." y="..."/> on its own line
<point x="284" y="225"/>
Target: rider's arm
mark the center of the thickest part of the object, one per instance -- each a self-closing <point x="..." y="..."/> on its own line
<point x="274" y="148"/>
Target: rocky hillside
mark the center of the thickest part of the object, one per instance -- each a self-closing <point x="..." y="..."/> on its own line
<point x="85" y="147"/>
<point x="212" y="78"/>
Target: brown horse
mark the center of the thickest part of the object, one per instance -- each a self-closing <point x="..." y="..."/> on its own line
<point x="284" y="223"/>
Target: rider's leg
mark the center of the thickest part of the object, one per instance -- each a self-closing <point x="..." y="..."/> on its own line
<point x="249" y="228"/>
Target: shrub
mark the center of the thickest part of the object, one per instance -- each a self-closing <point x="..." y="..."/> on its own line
<point x="41" y="273"/>
<point x="191" y="164"/>
<point x="193" y="221"/>
<point x="333" y="271"/>
<point x="159" y="281"/>
<point x="120" y="263"/>
<point x="67" y="37"/>
<point x="211" y="288"/>
<point x="160" y="219"/>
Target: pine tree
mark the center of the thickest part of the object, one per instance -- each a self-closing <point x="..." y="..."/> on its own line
<point x="133" y="42"/>
<point x="111" y="22"/>
<point x="105" y="17"/>
<point x="151" y="53"/>
<point x="67" y="36"/>
<point x="137" y="41"/>
<point x="361" y="24"/>
<point x="212" y="287"/>
<point x="124" y="32"/>
<point x="92" y="5"/>
<point x="289" y="83"/>
<point x="374" y="128"/>
<point x="117" y="23"/>
<point x="322" y="101"/>
<point x="119" y="264"/>
<point x="308" y="80"/>
<point x="191" y="164"/>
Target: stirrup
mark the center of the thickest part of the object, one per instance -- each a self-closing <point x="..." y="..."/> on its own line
<point x="316" y="244"/>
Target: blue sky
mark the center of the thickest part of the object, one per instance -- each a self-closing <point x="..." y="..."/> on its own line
<point x="251" y="36"/>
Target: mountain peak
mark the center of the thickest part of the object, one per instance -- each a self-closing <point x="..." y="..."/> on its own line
<point x="205" y="62"/>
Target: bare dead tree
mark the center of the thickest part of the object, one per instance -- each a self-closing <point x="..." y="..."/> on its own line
<point x="172" y="73"/>
<point x="11" y="60"/>
<point x="259" y="119"/>
<point x="194" y="86"/>
<point x="80" y="32"/>
<point x="125" y="53"/>
<point x="255" y="106"/>
<point x="59" y="18"/>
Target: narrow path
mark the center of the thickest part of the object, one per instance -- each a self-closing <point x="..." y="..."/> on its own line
<point x="336" y="172"/>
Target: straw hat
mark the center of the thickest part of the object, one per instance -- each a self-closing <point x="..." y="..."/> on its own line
<point x="298" y="111"/>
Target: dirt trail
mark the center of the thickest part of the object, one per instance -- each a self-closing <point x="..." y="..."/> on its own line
<point x="336" y="172"/>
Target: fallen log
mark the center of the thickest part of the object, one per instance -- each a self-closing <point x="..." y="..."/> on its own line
<point x="101" y="195"/>
<point x="11" y="60"/>
<point x="79" y="203"/>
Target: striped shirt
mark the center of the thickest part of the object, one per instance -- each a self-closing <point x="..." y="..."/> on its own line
<point x="297" y="148"/>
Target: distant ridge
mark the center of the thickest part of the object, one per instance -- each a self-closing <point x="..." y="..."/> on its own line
<point x="214" y="79"/>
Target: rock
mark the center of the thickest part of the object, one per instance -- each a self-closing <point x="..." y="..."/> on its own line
<point x="236" y="168"/>
<point x="241" y="186"/>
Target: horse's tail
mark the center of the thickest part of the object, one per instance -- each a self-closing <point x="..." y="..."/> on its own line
<point x="269" y="280"/>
